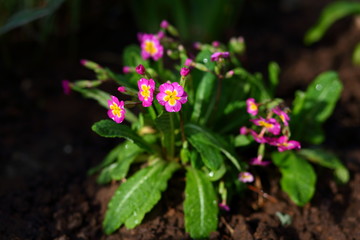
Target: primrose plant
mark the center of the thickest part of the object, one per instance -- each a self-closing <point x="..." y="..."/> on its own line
<point x="193" y="111"/>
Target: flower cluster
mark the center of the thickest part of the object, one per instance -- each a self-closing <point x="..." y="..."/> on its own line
<point x="171" y="95"/>
<point x="274" y="130"/>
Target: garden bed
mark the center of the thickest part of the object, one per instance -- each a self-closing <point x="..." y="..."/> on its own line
<point x="47" y="144"/>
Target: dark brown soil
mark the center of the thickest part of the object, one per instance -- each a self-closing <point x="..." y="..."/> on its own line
<point x="47" y="144"/>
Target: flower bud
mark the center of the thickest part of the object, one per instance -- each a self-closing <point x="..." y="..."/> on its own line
<point x="164" y="24"/>
<point x="184" y="71"/>
<point x="126" y="69"/>
<point x="140" y="69"/>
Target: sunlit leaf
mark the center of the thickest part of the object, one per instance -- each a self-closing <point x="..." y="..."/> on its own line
<point x="200" y="206"/>
<point x="298" y="177"/>
<point x="137" y="196"/>
<point x="111" y="129"/>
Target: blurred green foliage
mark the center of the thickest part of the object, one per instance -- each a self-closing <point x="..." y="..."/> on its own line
<point x="201" y="20"/>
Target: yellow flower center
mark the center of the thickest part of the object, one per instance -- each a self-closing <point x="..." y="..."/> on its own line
<point x="171" y="97"/>
<point x="150" y="47"/>
<point x="145" y="91"/>
<point x="282" y="117"/>
<point x="253" y="107"/>
<point x="265" y="124"/>
<point x="116" y="110"/>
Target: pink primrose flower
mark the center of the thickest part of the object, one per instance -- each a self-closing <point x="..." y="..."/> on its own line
<point x="171" y="95"/>
<point x="216" y="56"/>
<point x="252" y="106"/>
<point x="257" y="137"/>
<point x="121" y="89"/>
<point x="116" y="109"/>
<point x="224" y="207"/>
<point x="164" y="24"/>
<point x="140" y="69"/>
<point x="146" y="91"/>
<point x="126" y="69"/>
<point x="246" y="177"/>
<point x="282" y="114"/>
<point x="271" y="125"/>
<point x="284" y="144"/>
<point x="184" y="71"/>
<point x="150" y="46"/>
<point x="66" y="86"/>
<point x="258" y="161"/>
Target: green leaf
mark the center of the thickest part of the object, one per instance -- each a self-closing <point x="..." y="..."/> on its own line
<point x="356" y="55"/>
<point x="204" y="92"/>
<point x="111" y="129"/>
<point x="204" y="57"/>
<point x="314" y="107"/>
<point x="110" y="158"/>
<point x="298" y="176"/>
<point x="216" y="141"/>
<point x="327" y="159"/>
<point x="165" y="124"/>
<point x="210" y="155"/>
<point x="330" y="14"/>
<point x="26" y="16"/>
<point x="200" y="206"/>
<point x="242" y="140"/>
<point x="126" y="155"/>
<point x="132" y="57"/>
<point x="274" y="71"/>
<point x="137" y="196"/>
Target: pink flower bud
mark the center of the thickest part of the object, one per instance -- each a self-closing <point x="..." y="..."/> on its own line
<point x="224" y="207"/>
<point x="184" y="71"/>
<point x="83" y="62"/>
<point x="126" y="69"/>
<point x="188" y="62"/>
<point x="121" y="89"/>
<point x="215" y="44"/>
<point x="164" y="24"/>
<point x="66" y="86"/>
<point x="140" y="69"/>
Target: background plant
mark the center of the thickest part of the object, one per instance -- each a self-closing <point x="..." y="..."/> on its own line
<point x="330" y="14"/>
<point x="184" y="114"/>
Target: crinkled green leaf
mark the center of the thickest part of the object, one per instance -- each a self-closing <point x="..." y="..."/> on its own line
<point x="215" y="140"/>
<point x="312" y="108"/>
<point x="330" y="14"/>
<point x="109" y="128"/>
<point x="327" y="159"/>
<point x="200" y="206"/>
<point x="298" y="177"/>
<point x="137" y="196"/>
